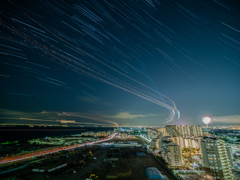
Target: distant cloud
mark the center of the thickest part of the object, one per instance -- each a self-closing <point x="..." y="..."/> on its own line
<point x="235" y="119"/>
<point x="18" y="114"/>
<point x="99" y="116"/>
<point x="80" y="115"/>
<point x="127" y="115"/>
<point x="92" y="117"/>
<point x="7" y="115"/>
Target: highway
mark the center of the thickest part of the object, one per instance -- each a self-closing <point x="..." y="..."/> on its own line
<point x="49" y="151"/>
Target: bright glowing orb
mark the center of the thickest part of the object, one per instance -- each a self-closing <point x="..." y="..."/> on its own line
<point x="206" y="119"/>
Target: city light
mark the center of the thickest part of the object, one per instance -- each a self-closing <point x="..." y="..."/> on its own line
<point x="45" y="151"/>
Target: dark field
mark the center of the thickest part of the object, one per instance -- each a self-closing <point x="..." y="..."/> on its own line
<point x="81" y="163"/>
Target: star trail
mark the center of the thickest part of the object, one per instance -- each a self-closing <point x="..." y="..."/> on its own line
<point x="139" y="62"/>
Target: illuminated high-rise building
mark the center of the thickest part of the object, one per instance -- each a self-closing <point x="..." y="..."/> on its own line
<point x="178" y="140"/>
<point x="217" y="158"/>
<point x="199" y="131"/>
<point x="155" y="143"/>
<point x="193" y="131"/>
<point x="187" y="130"/>
<point x="181" y="130"/>
<point x="171" y="152"/>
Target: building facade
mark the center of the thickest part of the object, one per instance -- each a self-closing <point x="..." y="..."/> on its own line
<point x="184" y="131"/>
<point x="199" y="131"/>
<point x="187" y="131"/>
<point x="155" y="143"/>
<point x="193" y="131"/>
<point x="217" y="158"/>
<point x="181" y="130"/>
<point x="171" y="152"/>
<point x="185" y="142"/>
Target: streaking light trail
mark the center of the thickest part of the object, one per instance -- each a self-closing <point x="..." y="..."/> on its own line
<point x="54" y="150"/>
<point x="25" y="36"/>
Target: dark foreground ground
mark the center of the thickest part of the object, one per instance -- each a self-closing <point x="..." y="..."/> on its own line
<point x="95" y="161"/>
<point x="128" y="167"/>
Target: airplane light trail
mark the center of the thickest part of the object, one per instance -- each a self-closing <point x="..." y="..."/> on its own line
<point x="75" y="64"/>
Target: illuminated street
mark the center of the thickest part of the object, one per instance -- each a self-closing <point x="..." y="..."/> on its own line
<point x="50" y="151"/>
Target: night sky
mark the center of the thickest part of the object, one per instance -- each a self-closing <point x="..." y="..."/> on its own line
<point x="133" y="62"/>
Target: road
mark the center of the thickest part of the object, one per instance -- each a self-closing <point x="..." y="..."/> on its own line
<point x="49" y="151"/>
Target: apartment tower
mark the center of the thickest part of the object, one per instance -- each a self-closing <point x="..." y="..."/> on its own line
<point x="217" y="158"/>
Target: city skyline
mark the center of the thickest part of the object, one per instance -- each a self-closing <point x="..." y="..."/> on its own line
<point x="148" y="63"/>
